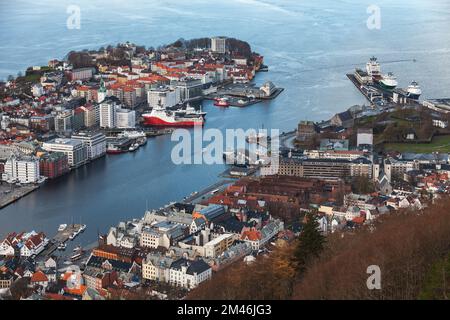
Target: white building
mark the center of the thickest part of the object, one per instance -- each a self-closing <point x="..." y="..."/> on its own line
<point x="164" y="96"/>
<point x="64" y="121"/>
<point x="365" y="136"/>
<point x="75" y="150"/>
<point x="107" y="112"/>
<point x="32" y="243"/>
<point x="95" y="142"/>
<point x="218" y="44"/>
<point x="189" y="274"/>
<point x="125" y="118"/>
<point x="22" y="169"/>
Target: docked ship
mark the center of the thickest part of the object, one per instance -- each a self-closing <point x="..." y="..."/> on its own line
<point x="162" y="117"/>
<point x="190" y="111"/>
<point x="222" y="102"/>
<point x="414" y="91"/>
<point x="113" y="149"/>
<point x="132" y="134"/>
<point x="373" y="69"/>
<point x="388" y="81"/>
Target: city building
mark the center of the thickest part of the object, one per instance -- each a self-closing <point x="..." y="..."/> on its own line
<point x="80" y="74"/>
<point x="189" y="88"/>
<point x="64" y="121"/>
<point x="156" y="267"/>
<point x="162" y="234"/>
<point x="125" y="118"/>
<point x="364" y="136"/>
<point x="107" y="112"/>
<point x="91" y="115"/>
<point x="218" y="44"/>
<point x="78" y="119"/>
<point x="53" y="164"/>
<point x="95" y="142"/>
<point x="189" y="274"/>
<point x="322" y="168"/>
<point x="24" y="169"/>
<point x="163" y="96"/>
<point x="75" y="150"/>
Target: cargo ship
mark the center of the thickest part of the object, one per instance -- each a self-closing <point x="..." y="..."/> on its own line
<point x="165" y="118"/>
<point x="414" y="91"/>
<point x="388" y="82"/>
<point x="373" y="69"/>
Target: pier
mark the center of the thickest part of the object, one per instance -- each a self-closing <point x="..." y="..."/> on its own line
<point x="61" y="237"/>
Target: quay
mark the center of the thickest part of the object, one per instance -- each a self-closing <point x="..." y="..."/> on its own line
<point x="373" y="92"/>
<point x="207" y="191"/>
<point x="60" y="237"/>
<point x="10" y="194"/>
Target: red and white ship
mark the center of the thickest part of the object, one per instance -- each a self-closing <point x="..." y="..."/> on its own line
<point x="162" y="117"/>
<point x="221" y="102"/>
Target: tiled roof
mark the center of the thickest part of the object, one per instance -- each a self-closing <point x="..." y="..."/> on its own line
<point x="39" y="276"/>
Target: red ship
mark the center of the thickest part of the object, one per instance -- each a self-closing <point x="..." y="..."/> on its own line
<point x="161" y="117"/>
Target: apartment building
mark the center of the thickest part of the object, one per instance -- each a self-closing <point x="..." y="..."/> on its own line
<point x="75" y="150"/>
<point x="95" y="143"/>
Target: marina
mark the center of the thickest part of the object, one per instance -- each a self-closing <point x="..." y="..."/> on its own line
<point x="64" y="234"/>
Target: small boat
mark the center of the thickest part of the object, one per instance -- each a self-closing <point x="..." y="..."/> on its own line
<point x="222" y="102"/>
<point x="133" y="147"/>
<point x="76" y="256"/>
<point x="62" y="227"/>
<point x="113" y="150"/>
<point x="77" y="248"/>
<point x="62" y="246"/>
<point x="141" y="141"/>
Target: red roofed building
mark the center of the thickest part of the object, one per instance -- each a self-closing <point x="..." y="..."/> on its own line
<point x="39" y="278"/>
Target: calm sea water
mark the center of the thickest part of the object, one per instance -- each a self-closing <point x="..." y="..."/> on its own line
<point x="309" y="46"/>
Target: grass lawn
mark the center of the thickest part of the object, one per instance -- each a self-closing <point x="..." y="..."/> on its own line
<point x="439" y="144"/>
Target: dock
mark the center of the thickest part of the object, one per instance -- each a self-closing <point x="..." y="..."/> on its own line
<point x="207" y="191"/>
<point x="10" y="194"/>
<point x="60" y="237"/>
<point x="373" y="91"/>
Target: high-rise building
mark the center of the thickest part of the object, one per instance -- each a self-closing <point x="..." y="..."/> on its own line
<point x="23" y="169"/>
<point x="108" y="113"/>
<point x="218" y="44"/>
<point x="64" y="121"/>
<point x="75" y="150"/>
<point x="91" y="115"/>
<point x="95" y="142"/>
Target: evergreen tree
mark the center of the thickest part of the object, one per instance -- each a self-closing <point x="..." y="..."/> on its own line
<point x="310" y="243"/>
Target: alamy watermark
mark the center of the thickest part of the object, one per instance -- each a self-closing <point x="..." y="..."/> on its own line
<point x="74" y="19"/>
<point x="374" y="280"/>
<point x="75" y="279"/>
<point x="374" y="20"/>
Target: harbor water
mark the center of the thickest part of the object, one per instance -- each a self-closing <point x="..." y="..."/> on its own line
<point x="309" y="47"/>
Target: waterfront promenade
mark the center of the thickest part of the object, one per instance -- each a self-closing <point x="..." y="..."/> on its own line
<point x="10" y="193"/>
